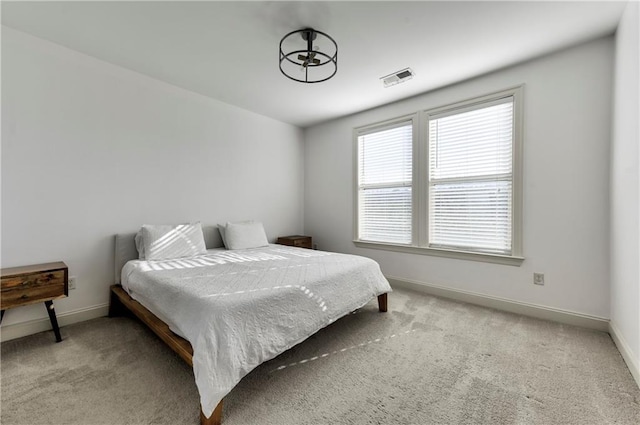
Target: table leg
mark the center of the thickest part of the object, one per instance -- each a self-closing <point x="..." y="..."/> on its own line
<point x="1" y="315"/>
<point x="53" y="319"/>
<point x="382" y="303"/>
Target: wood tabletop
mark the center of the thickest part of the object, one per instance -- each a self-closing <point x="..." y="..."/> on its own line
<point x="34" y="268"/>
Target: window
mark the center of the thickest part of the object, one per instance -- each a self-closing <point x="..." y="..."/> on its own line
<point x="384" y="183"/>
<point x="470" y="178"/>
<point x="449" y="187"/>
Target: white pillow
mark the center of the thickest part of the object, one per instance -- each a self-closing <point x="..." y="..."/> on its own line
<point x="222" y="229"/>
<point x="245" y="235"/>
<point x="163" y="242"/>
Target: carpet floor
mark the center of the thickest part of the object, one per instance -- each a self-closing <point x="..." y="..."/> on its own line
<point x="427" y="361"/>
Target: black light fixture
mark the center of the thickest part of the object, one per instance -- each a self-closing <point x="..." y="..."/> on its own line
<point x="301" y="57"/>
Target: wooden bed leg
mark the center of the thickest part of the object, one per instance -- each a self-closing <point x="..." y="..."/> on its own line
<point x="115" y="306"/>
<point x="216" y="416"/>
<point x="382" y="303"/>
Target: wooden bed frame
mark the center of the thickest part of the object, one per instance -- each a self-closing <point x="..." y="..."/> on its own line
<point x="121" y="302"/>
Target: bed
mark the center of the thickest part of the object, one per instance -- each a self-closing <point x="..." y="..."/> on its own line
<point x="227" y="311"/>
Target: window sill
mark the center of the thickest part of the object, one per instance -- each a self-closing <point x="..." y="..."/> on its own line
<point x="448" y="253"/>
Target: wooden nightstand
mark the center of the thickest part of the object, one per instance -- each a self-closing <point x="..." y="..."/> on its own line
<point x="296" y="240"/>
<point x="35" y="284"/>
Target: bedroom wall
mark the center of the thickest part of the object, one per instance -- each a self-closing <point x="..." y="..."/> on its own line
<point x="625" y="192"/>
<point x="567" y="132"/>
<point x="90" y="149"/>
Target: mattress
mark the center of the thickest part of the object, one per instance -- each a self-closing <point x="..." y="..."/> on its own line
<point x="241" y="308"/>
<point x="148" y="303"/>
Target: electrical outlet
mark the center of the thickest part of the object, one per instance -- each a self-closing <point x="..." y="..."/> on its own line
<point x="538" y="278"/>
<point x="72" y="282"/>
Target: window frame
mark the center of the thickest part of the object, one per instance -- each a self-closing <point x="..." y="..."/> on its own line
<point x="420" y="183"/>
<point x="373" y="128"/>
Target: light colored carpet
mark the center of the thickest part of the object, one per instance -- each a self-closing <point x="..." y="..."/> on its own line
<point x="426" y="361"/>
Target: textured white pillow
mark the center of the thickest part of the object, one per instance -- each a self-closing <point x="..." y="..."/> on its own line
<point x="163" y="242"/>
<point x="245" y="235"/>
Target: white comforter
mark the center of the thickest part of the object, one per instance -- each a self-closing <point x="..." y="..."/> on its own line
<point x="241" y="308"/>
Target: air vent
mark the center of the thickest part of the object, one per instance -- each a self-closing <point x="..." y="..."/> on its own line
<point x="397" y="77"/>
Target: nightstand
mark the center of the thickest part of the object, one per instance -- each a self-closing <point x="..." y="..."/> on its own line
<point x="35" y="284"/>
<point x="297" y="241"/>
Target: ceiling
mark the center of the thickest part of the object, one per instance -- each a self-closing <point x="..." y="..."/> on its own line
<point x="229" y="50"/>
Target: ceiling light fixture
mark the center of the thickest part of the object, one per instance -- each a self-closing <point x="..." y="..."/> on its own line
<point x="302" y="60"/>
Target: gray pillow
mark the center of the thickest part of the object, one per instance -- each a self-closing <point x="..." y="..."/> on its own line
<point x="221" y="229"/>
<point x="139" y="245"/>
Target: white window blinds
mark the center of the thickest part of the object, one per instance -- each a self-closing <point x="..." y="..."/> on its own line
<point x="384" y="184"/>
<point x="471" y="178"/>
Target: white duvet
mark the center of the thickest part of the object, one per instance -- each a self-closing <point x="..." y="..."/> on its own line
<point x="241" y="308"/>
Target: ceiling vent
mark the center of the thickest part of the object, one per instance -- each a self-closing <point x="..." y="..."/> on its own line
<point x="397" y="77"/>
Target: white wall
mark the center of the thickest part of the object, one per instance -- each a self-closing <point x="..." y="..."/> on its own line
<point x="567" y="114"/>
<point x="625" y="189"/>
<point x="90" y="149"/>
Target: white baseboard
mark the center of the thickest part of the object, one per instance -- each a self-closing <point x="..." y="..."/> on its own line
<point x="31" y="327"/>
<point x="526" y="309"/>
<point x="625" y="351"/>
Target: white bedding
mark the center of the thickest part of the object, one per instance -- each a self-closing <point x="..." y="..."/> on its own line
<point x="241" y="308"/>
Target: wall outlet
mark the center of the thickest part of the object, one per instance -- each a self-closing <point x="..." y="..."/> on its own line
<point x="72" y="282"/>
<point x="538" y="278"/>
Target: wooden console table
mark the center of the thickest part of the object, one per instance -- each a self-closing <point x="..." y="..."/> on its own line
<point x="35" y="284"/>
